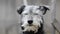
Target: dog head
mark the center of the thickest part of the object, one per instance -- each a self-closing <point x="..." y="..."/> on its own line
<point x="32" y="17"/>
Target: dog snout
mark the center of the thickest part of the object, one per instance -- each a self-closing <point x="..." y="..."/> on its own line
<point x="30" y="21"/>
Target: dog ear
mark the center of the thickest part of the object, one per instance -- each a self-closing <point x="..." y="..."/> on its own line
<point x="44" y="9"/>
<point x="21" y="9"/>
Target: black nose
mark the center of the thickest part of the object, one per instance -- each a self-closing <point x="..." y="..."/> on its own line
<point x="22" y="28"/>
<point x="30" y="21"/>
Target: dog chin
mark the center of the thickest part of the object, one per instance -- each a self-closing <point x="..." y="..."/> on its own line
<point x="31" y="28"/>
<point x="27" y="32"/>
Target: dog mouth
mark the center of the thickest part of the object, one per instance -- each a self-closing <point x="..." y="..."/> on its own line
<point x="30" y="28"/>
<point x="30" y="25"/>
<point x="27" y="25"/>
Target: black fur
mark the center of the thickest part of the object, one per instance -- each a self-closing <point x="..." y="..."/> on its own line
<point x="20" y="10"/>
<point x="40" y="31"/>
<point x="43" y="9"/>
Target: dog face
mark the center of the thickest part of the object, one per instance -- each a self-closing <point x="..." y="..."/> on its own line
<point x="32" y="17"/>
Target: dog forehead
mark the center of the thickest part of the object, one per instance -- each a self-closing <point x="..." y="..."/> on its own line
<point x="33" y="9"/>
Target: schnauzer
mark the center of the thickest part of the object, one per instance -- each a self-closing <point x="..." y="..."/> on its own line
<point x="32" y="19"/>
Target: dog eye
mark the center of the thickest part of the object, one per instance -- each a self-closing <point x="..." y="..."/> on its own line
<point x="25" y="14"/>
<point x="35" y="14"/>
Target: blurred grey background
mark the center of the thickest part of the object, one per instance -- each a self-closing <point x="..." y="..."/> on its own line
<point x="9" y="15"/>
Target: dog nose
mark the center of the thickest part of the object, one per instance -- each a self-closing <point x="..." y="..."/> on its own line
<point x="30" y="21"/>
<point x="22" y="28"/>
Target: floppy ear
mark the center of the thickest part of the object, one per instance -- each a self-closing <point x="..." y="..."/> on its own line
<point x="21" y="9"/>
<point x="44" y="9"/>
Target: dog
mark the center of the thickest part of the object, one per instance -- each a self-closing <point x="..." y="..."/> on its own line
<point x="32" y="18"/>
